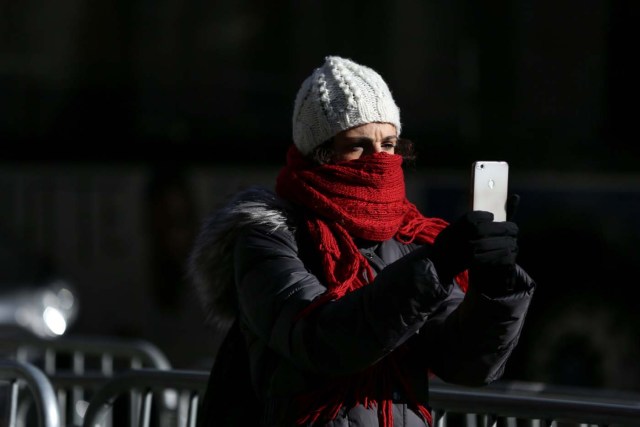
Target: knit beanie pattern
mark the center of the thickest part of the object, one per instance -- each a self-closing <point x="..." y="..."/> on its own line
<point x="337" y="96"/>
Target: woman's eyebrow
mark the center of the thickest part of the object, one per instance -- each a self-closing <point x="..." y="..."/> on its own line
<point x="368" y="138"/>
<point x="360" y="138"/>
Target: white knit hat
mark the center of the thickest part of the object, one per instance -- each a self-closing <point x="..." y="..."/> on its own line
<point x="337" y="96"/>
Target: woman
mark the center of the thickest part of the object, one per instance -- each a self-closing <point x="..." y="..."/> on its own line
<point x="344" y="298"/>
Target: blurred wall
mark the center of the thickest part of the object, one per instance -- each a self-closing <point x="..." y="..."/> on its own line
<point x="120" y="235"/>
<point x="542" y="84"/>
<point x="124" y="122"/>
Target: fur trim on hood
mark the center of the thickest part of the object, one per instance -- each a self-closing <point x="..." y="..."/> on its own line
<point x="210" y="265"/>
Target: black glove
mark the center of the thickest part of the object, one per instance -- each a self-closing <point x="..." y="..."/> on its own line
<point x="492" y="267"/>
<point x="495" y="245"/>
<point x="512" y="206"/>
<point x="453" y="248"/>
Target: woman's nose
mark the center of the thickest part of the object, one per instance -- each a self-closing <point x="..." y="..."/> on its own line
<point x="375" y="148"/>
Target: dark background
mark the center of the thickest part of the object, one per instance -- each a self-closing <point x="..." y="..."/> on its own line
<point x="549" y="86"/>
<point x="545" y="84"/>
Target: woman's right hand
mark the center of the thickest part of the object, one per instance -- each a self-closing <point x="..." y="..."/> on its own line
<point x="453" y="248"/>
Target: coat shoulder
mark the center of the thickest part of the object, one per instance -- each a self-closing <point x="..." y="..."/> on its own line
<point x="210" y="264"/>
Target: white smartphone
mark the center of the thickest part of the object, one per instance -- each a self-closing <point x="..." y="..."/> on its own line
<point x="489" y="187"/>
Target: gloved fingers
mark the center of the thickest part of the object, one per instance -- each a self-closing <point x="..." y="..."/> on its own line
<point x="494" y="251"/>
<point x="493" y="243"/>
<point x="452" y="248"/>
<point x="501" y="256"/>
<point x="462" y="229"/>
<point x="471" y="219"/>
<point x="494" y="229"/>
<point x="512" y="206"/>
<point x="478" y="217"/>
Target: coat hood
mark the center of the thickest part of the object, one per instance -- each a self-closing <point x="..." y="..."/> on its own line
<point x="210" y="265"/>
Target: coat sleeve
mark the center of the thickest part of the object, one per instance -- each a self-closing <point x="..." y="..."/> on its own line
<point x="341" y="336"/>
<point x="469" y="340"/>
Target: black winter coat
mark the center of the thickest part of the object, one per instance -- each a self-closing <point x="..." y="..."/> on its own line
<point x="254" y="263"/>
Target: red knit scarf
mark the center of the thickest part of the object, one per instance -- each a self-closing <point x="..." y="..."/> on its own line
<point x="362" y="198"/>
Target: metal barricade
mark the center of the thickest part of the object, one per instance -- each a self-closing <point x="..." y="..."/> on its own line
<point x="150" y="387"/>
<point x="107" y="351"/>
<point x="18" y="377"/>
<point x="521" y="404"/>
<point x="78" y="365"/>
<point x="498" y="405"/>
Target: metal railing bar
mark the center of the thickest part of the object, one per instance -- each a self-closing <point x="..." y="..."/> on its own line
<point x="194" y="403"/>
<point x="43" y="393"/>
<point x="523" y="405"/>
<point x="143" y="380"/>
<point x="146" y="352"/>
